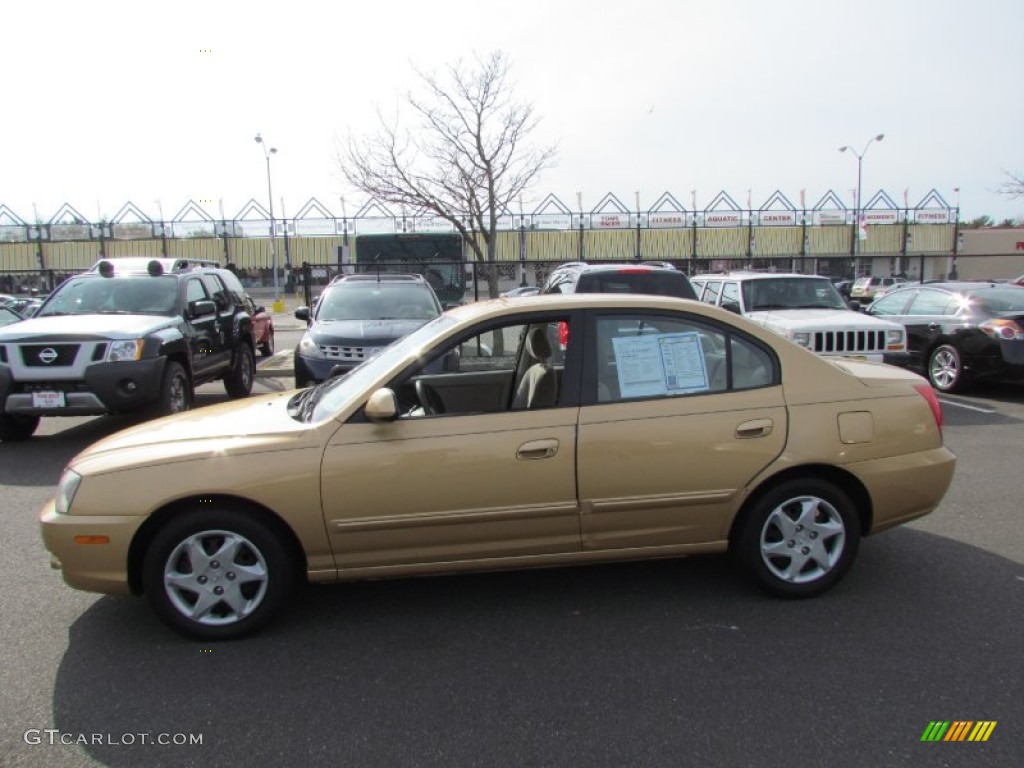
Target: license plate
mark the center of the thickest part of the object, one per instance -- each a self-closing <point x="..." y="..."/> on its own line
<point x="47" y="399"/>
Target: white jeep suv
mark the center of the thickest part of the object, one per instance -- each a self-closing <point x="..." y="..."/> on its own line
<point x="807" y="310"/>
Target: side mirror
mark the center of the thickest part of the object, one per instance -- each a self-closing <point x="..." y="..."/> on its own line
<point x="201" y="308"/>
<point x="382" y="405"/>
<point x="731" y="306"/>
<point x="855" y="306"/>
<point x="302" y="313"/>
<point x="260" y="310"/>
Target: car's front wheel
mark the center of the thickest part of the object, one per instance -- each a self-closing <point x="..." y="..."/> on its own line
<point x="946" y="368"/>
<point x="799" y="538"/>
<point x="217" y="574"/>
<point x="238" y="382"/>
<point x="175" y="391"/>
<point x="15" y="427"/>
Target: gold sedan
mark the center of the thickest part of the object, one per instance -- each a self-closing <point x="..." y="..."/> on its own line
<point x="514" y="433"/>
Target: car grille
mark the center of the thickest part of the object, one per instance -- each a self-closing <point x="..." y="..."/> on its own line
<point x="345" y="354"/>
<point x="48" y="355"/>
<point x="852" y="342"/>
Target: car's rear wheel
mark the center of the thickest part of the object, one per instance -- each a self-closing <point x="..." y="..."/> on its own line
<point x="946" y="368"/>
<point x="175" y="391"/>
<point x="799" y="538"/>
<point x="238" y="383"/>
<point x="267" y="347"/>
<point x="15" y="427"/>
<point x="217" y="574"/>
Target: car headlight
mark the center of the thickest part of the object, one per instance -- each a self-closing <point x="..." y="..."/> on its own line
<point x="125" y="350"/>
<point x="66" y="490"/>
<point x="895" y="340"/>
<point x="309" y="348"/>
<point x="803" y="339"/>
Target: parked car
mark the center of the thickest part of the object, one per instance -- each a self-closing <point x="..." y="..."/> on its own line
<point x="673" y="428"/>
<point x="807" y="310"/>
<point x="117" y="339"/>
<point x="581" y="277"/>
<point x="864" y="289"/>
<point x="959" y="332"/>
<point x="526" y="290"/>
<point x="1018" y="281"/>
<point x="26" y="306"/>
<point x="357" y="316"/>
<point x="262" y="326"/>
<point x="8" y="316"/>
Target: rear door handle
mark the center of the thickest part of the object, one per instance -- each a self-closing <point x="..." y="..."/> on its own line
<point x="537" y="449"/>
<point x="754" y="428"/>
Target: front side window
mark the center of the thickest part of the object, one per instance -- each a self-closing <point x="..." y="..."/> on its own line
<point x="890" y="305"/>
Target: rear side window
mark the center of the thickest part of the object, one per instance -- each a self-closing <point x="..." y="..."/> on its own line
<point x="647" y="282"/>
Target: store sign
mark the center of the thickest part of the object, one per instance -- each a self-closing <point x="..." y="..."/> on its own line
<point x="829" y="218"/>
<point x="723" y="219"/>
<point x="777" y="218"/>
<point x="933" y="216"/>
<point x="666" y="220"/>
<point x="880" y="217"/>
<point x="552" y="221"/>
<point x="376" y="226"/>
<point x="13" y="234"/>
<point x="314" y="227"/>
<point x="609" y="221"/>
<point x="69" y="231"/>
<point x="431" y="224"/>
<point x="131" y="231"/>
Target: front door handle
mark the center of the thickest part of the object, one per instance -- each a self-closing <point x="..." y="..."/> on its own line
<point x="537" y="449"/>
<point x="754" y="428"/>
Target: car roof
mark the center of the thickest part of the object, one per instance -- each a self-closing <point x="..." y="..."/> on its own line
<point x="383" y="277"/>
<point x="143" y="264"/>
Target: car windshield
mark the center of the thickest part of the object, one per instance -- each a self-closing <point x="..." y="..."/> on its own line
<point x="136" y="295"/>
<point x="791" y="293"/>
<point x="376" y="301"/>
<point x="998" y="300"/>
<point x="323" y="401"/>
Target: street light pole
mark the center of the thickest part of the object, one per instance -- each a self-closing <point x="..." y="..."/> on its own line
<point x="270" y="197"/>
<point x="857" y="203"/>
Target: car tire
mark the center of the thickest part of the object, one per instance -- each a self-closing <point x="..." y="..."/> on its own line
<point x="15" y="427"/>
<point x="799" y="537"/>
<point x="267" y="347"/>
<point x="946" y="369"/>
<point x="175" y="391"/>
<point x="238" y="382"/>
<point x="217" y="574"/>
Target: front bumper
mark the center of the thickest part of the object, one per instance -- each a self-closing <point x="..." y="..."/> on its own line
<point x="106" y="388"/>
<point x="313" y="370"/>
<point x="86" y="564"/>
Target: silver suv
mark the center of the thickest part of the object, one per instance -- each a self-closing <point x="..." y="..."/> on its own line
<point x="807" y="310"/>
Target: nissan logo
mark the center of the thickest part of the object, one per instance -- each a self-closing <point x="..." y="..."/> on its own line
<point x="47" y="355"/>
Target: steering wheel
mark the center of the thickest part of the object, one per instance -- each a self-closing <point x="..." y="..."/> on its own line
<point x="429" y="399"/>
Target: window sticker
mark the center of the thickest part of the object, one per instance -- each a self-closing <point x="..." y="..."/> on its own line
<point x="661" y="364"/>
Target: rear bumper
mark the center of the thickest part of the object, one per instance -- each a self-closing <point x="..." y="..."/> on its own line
<point x="903" y="488"/>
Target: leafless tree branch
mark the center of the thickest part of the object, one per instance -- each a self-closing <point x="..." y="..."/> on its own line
<point x="466" y="155"/>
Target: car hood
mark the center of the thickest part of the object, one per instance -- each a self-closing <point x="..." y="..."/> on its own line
<point x="819" y="319"/>
<point x="372" y="332"/>
<point x="252" y="425"/>
<point x="100" y="326"/>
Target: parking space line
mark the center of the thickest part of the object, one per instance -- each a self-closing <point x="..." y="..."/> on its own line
<point x="968" y="407"/>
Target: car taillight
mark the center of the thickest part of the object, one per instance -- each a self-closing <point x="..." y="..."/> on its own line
<point x="634" y="271"/>
<point x="926" y="391"/>
<point x="563" y="334"/>
<point x="1000" y="328"/>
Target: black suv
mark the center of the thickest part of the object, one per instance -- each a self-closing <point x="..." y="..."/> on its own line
<point x="125" y="336"/>
<point x="355" y="318"/>
<point x="658" y="279"/>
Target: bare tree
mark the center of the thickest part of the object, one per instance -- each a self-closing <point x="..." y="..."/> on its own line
<point x="1013" y="187"/>
<point x="465" y="157"/>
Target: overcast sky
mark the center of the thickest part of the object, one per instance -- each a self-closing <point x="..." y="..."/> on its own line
<point x="106" y="102"/>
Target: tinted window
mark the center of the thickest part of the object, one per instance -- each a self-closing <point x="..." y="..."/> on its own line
<point x="999" y="299"/>
<point x="892" y="304"/>
<point x="930" y="302"/>
<point x="657" y="283"/>
<point x="377" y="301"/>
